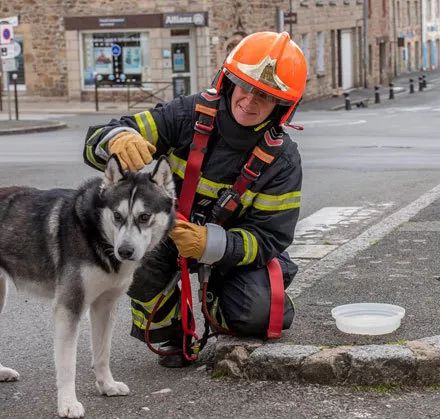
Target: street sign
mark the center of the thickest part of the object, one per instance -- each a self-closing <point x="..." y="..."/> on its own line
<point x="6" y="33"/>
<point x="7" y="51"/>
<point x="9" y="65"/>
<point x="12" y="20"/>
<point x="116" y="50"/>
<point x="290" y="18"/>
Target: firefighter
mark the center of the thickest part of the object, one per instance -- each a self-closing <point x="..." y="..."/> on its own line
<point x="256" y="92"/>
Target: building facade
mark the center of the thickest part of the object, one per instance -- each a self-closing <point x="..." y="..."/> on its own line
<point x="160" y="49"/>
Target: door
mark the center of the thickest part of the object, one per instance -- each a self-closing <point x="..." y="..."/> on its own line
<point x="183" y="62"/>
<point x="382" y="62"/>
<point x="346" y="59"/>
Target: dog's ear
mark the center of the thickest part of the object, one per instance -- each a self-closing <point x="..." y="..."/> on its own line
<point x="163" y="177"/>
<point x="113" y="171"/>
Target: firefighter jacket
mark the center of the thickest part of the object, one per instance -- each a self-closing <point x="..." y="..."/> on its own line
<point x="265" y="224"/>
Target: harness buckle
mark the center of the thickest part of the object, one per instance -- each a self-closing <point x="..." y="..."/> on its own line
<point x="202" y="128"/>
<point x="249" y="174"/>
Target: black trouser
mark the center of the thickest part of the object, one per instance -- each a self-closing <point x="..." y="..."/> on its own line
<point x="244" y="295"/>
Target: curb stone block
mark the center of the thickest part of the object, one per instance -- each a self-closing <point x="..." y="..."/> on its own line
<point x="428" y="362"/>
<point x="381" y="364"/>
<point x="433" y="341"/>
<point x="329" y="366"/>
<point x="278" y="361"/>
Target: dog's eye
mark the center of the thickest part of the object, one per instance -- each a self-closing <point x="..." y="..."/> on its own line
<point x="117" y="216"/>
<point x="144" y="217"/>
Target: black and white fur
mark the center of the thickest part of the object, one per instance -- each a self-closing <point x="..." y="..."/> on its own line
<point x="81" y="248"/>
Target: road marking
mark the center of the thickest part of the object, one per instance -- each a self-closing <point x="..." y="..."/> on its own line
<point x="349" y="250"/>
<point x="331" y="123"/>
<point x="311" y="232"/>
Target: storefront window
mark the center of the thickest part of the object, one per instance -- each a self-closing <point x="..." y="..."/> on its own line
<point x="118" y="57"/>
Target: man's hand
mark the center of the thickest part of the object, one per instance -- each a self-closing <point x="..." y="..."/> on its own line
<point x="133" y="150"/>
<point x="190" y="239"/>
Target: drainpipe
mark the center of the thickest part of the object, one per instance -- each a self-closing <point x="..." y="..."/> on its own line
<point x="365" y="19"/>
<point x="395" y="37"/>
<point x="422" y="33"/>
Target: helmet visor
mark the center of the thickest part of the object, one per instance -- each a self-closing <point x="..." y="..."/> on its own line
<point x="254" y="90"/>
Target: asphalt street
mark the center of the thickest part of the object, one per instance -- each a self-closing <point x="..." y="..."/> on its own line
<point x="377" y="160"/>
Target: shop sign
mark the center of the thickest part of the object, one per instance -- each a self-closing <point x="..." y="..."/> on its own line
<point x="185" y="19"/>
<point x="111" y="22"/>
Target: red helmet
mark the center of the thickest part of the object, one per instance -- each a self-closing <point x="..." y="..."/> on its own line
<point x="269" y="64"/>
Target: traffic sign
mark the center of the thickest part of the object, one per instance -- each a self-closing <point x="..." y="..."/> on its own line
<point x="7" y="51"/>
<point x="9" y="65"/>
<point x="290" y="17"/>
<point x="116" y="50"/>
<point x="12" y="20"/>
<point x="6" y="33"/>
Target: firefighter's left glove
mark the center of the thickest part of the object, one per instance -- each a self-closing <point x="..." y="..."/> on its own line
<point x="133" y="150"/>
<point x="207" y="243"/>
<point x="190" y="239"/>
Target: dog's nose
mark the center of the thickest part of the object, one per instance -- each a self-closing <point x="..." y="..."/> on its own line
<point x="126" y="251"/>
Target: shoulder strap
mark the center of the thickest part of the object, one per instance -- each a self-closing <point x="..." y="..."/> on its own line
<point x="206" y="106"/>
<point x="269" y="148"/>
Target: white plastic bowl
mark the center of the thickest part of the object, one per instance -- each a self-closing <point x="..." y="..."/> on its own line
<point x="368" y="318"/>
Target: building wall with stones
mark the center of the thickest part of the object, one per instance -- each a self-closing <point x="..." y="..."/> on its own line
<point x="329" y="31"/>
<point x="380" y="43"/>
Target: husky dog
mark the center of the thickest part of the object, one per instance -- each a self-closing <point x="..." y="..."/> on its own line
<point x="81" y="248"/>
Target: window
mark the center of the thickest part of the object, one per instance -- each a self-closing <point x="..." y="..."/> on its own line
<point x="416" y="14"/>
<point x="320" y="49"/>
<point x="116" y="57"/>
<point x="305" y="46"/>
<point x="398" y="13"/>
<point x="408" y="12"/>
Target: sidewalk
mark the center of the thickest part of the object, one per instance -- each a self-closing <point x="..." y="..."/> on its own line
<point x="401" y="87"/>
<point x="396" y="262"/>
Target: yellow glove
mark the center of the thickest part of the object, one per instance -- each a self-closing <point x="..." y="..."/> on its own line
<point x="190" y="239"/>
<point x="133" y="150"/>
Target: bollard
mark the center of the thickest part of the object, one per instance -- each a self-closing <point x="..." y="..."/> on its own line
<point x="420" y="84"/>
<point x="347" y="102"/>
<point x="411" y="85"/>
<point x="376" y="94"/>
<point x="424" y="80"/>
<point x="14" y="78"/>
<point x="391" y="91"/>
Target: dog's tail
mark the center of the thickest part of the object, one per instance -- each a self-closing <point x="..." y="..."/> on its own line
<point x="3" y="291"/>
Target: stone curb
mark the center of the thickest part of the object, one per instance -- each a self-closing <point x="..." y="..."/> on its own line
<point x="411" y="363"/>
<point x="33" y="128"/>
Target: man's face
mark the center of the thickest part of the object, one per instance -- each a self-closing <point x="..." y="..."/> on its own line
<point x="249" y="109"/>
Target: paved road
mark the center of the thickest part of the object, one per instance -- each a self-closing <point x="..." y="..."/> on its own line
<point x="378" y="160"/>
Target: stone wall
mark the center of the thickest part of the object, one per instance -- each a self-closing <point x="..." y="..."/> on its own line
<point x="52" y="62"/>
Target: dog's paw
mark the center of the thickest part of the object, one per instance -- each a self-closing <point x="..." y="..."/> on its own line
<point x="8" y="374"/>
<point x="113" y="388"/>
<point x="70" y="409"/>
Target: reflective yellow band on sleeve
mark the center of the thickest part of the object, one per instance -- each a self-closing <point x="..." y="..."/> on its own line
<point x="282" y="202"/>
<point x="250" y="245"/>
<point x="99" y="130"/>
<point x="91" y="158"/>
<point x="147" y="126"/>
